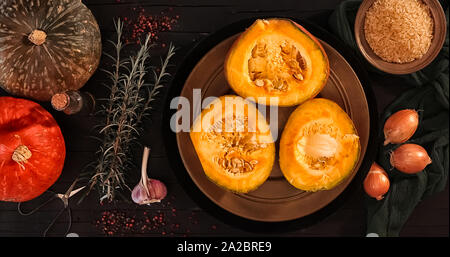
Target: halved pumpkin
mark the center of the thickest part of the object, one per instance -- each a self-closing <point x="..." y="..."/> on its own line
<point x="319" y="146"/>
<point x="234" y="144"/>
<point x="277" y="58"/>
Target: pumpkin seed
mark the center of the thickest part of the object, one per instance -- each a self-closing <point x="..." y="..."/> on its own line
<point x="298" y="76"/>
<point x="259" y="83"/>
<point x="241" y="143"/>
<point x="274" y="63"/>
<point x="301" y="61"/>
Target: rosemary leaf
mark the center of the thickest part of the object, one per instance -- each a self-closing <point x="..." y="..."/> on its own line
<point x="129" y="102"/>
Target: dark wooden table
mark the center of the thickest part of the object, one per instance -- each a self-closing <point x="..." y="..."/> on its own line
<point x="181" y="215"/>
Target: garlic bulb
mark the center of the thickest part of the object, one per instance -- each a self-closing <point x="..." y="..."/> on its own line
<point x="148" y="190"/>
<point x="155" y="192"/>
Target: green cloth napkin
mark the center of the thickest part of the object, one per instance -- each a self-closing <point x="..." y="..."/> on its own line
<point x="429" y="94"/>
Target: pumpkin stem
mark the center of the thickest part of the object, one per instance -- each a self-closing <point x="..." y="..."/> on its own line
<point x="37" y="37"/>
<point x="21" y="155"/>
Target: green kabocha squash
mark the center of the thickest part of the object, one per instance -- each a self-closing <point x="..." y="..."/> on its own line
<point x="47" y="46"/>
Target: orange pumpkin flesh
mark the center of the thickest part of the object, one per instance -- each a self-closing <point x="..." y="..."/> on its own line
<point x="234" y="144"/>
<point x="32" y="150"/>
<point x="319" y="146"/>
<point x="277" y="58"/>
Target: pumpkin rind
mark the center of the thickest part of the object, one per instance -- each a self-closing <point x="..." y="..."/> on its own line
<point x="298" y="84"/>
<point x="324" y="119"/>
<point x="239" y="159"/>
<point x="32" y="150"/>
<point x="67" y="58"/>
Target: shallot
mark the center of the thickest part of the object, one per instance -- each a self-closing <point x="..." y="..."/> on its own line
<point x="376" y="183"/>
<point x="400" y="126"/>
<point x="410" y="158"/>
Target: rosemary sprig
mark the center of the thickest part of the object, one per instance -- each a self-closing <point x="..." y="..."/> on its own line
<point x="128" y="104"/>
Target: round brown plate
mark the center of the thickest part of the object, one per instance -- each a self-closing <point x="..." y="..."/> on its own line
<point x="275" y="200"/>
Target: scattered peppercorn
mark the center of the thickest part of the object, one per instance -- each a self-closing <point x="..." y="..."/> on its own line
<point x="148" y="24"/>
<point x="129" y="222"/>
<point x="116" y="222"/>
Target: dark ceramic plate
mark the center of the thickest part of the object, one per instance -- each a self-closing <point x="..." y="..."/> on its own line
<point x="276" y="201"/>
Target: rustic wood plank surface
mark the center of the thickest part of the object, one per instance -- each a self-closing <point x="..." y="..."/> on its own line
<point x="182" y="216"/>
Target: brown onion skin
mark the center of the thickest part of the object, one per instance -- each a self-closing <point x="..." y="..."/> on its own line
<point x="410" y="158"/>
<point x="376" y="183"/>
<point x="400" y="126"/>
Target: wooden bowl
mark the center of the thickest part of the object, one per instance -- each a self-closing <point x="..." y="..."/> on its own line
<point x="437" y="42"/>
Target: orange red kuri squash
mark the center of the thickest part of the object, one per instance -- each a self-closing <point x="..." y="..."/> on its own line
<point x="32" y="150"/>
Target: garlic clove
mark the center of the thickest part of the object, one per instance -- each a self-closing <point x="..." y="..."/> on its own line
<point x="157" y="190"/>
<point x="139" y="194"/>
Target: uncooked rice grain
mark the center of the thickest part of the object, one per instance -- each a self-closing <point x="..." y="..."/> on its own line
<point x="399" y="31"/>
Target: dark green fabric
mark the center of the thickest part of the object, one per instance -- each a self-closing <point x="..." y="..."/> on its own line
<point x="429" y="94"/>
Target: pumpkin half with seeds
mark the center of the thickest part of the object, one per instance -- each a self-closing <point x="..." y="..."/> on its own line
<point x="319" y="146"/>
<point x="47" y="47"/>
<point x="277" y="58"/>
<point x="234" y="144"/>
